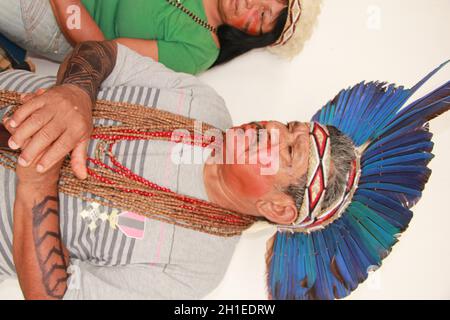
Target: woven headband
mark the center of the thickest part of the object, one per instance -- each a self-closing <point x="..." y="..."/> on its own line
<point x="311" y="215"/>
<point x="294" y="13"/>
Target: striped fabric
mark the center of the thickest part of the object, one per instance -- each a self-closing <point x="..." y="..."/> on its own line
<point x="99" y="243"/>
<point x="21" y="81"/>
<point x="114" y="247"/>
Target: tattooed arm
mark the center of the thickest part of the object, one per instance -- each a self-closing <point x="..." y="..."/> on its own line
<point x="39" y="256"/>
<point x="59" y="121"/>
<point x="62" y="120"/>
<point x="89" y="64"/>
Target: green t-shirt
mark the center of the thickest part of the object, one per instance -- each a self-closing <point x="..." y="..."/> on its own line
<point x="183" y="45"/>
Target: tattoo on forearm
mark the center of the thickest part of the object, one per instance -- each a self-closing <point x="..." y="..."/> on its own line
<point x="49" y="250"/>
<point x="89" y="65"/>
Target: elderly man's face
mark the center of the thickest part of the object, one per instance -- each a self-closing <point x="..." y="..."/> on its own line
<point x="287" y="144"/>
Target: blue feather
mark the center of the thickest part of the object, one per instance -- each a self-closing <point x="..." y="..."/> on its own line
<point x="331" y="262"/>
<point x="397" y="139"/>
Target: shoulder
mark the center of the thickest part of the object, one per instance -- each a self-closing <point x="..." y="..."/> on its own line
<point x="208" y="106"/>
<point x="196" y="46"/>
<point x="189" y="55"/>
<point x="181" y="92"/>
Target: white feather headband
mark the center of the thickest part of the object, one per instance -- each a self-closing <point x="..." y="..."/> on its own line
<point x="301" y="20"/>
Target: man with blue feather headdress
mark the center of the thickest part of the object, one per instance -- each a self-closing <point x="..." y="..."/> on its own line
<point x="346" y="183"/>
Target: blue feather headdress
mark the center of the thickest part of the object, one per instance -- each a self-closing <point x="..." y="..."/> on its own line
<point x="329" y="263"/>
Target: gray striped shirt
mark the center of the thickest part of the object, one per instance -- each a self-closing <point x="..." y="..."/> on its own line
<point x="140" y="258"/>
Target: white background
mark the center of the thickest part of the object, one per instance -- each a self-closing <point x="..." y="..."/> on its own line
<point x="396" y="41"/>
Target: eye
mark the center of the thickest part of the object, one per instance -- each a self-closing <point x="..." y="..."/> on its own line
<point x="263" y="16"/>
<point x="263" y="13"/>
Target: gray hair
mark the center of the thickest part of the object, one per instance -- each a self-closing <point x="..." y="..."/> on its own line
<point x="342" y="155"/>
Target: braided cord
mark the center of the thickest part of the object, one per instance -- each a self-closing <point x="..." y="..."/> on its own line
<point x="177" y="4"/>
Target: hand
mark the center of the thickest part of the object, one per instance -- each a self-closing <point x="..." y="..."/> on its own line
<point x="30" y="177"/>
<point x="50" y="125"/>
<point x="5" y="135"/>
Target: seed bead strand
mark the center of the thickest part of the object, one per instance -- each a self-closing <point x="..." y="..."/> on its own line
<point x="177" y="4"/>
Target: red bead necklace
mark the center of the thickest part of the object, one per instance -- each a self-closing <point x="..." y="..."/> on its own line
<point x="133" y="135"/>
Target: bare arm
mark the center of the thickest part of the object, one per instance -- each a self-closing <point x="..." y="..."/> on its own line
<point x="88" y="30"/>
<point x="40" y="258"/>
<point x="89" y="64"/>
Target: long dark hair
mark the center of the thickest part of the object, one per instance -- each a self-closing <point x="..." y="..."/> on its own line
<point x="234" y="42"/>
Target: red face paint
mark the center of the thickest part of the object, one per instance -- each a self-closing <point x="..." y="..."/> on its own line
<point x="245" y="23"/>
<point x="246" y="15"/>
<point x="243" y="18"/>
<point x="247" y="181"/>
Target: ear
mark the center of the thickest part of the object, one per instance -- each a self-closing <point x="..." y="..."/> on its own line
<point x="281" y="210"/>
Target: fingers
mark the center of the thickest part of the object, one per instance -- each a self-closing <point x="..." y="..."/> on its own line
<point x="57" y="151"/>
<point x="53" y="125"/>
<point x="39" y="142"/>
<point x="8" y="136"/>
<point x="78" y="160"/>
<point x="7" y="127"/>
<point x="25" y="97"/>
<point x="40" y="91"/>
<point x="35" y="123"/>
<point x="24" y="112"/>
